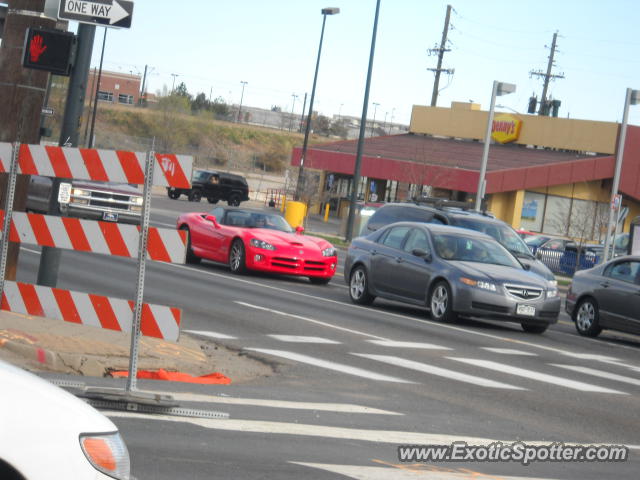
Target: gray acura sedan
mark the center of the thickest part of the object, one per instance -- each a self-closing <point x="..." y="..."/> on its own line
<point x="451" y="271"/>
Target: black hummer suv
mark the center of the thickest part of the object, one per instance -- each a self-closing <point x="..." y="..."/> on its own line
<point x="458" y="214"/>
<point x="214" y="186"/>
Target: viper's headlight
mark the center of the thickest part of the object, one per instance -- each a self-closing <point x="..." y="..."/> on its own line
<point x="479" y="284"/>
<point x="256" y="242"/>
<point x="329" y="252"/>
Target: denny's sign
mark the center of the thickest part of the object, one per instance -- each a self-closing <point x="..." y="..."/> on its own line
<point x="505" y="128"/>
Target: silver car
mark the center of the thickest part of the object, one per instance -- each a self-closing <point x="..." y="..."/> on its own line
<point x="607" y="296"/>
<point x="452" y="271"/>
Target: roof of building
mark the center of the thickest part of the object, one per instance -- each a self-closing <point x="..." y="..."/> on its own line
<point x="455" y="163"/>
<point x="454" y="153"/>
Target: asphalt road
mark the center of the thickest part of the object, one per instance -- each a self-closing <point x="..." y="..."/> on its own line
<point x="352" y="383"/>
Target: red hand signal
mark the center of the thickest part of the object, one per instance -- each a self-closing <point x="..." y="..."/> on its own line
<point x="36" y="49"/>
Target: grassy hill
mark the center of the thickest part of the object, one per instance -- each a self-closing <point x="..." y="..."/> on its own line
<point x="212" y="142"/>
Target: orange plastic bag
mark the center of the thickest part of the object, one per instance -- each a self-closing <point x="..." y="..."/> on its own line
<point x="161" y="374"/>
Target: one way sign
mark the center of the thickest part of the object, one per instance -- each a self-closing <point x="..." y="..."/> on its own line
<point x="110" y="13"/>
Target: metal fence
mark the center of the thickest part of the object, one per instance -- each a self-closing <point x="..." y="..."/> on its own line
<point x="566" y="262"/>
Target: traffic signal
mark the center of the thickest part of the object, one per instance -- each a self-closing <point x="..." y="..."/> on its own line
<point x="48" y="50"/>
<point x="533" y="101"/>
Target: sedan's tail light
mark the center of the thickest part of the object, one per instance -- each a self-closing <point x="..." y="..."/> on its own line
<point x="107" y="453"/>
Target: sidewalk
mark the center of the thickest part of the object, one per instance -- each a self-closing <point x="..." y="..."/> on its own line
<point x="42" y="344"/>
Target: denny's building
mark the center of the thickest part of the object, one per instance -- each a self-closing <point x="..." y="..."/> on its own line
<point x="544" y="174"/>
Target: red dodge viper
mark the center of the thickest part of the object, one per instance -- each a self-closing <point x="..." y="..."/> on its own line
<point x="255" y="240"/>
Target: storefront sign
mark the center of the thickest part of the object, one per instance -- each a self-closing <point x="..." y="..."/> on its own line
<point x="505" y="128"/>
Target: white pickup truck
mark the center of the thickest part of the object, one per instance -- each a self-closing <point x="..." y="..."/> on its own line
<point x="108" y="201"/>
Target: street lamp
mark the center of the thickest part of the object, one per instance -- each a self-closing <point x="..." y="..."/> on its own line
<point x="300" y="184"/>
<point x="373" y="124"/>
<point x="173" y="85"/>
<point x="353" y="197"/>
<point x="499" y="88"/>
<point x="632" y="97"/>
<point x="241" y="97"/>
<point x="292" y="107"/>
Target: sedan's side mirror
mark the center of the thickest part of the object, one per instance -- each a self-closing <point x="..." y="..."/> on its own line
<point x="213" y="220"/>
<point x="425" y="254"/>
<point x="299" y="229"/>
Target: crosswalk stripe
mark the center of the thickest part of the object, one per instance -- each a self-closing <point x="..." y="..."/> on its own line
<point x="533" y="375"/>
<point x="406" y="472"/>
<point x="441" y="372"/>
<point x="343" y="433"/>
<point x="395" y="344"/>
<point x="301" y="339"/>
<point x="270" y="403"/>
<point x="508" y="351"/>
<point x="338" y="367"/>
<point x="205" y="333"/>
<point x="599" y="373"/>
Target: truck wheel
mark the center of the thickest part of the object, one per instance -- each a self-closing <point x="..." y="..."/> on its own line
<point x="213" y="200"/>
<point x="195" y="195"/>
<point x="173" y="194"/>
<point x="234" y="200"/>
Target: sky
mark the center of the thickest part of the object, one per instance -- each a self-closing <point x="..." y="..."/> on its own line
<point x="214" y="45"/>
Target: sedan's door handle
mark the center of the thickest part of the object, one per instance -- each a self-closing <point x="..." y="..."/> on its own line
<point x="373" y="252"/>
<point x="399" y="260"/>
<point x="605" y="284"/>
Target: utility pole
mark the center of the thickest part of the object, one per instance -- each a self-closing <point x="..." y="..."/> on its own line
<point x="143" y="89"/>
<point x="548" y="76"/>
<point x="22" y="92"/>
<point x="304" y="107"/>
<point x="241" y="98"/>
<point x="440" y="52"/>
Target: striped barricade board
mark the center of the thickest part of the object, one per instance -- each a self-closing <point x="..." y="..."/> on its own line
<point x="98" y="165"/>
<point x="89" y="309"/>
<point x="107" y="238"/>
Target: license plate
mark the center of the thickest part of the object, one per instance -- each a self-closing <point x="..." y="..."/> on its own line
<point x="526" y="310"/>
<point x="110" y="216"/>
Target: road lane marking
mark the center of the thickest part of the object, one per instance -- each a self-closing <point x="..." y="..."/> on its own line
<point x="533" y="375"/>
<point x="310" y="320"/>
<point x="421" y="321"/>
<point x="360" y="472"/>
<point x="301" y="339"/>
<point x="395" y="344"/>
<point x="599" y="373"/>
<point x="441" y="372"/>
<point x="206" y="333"/>
<point x="337" y="367"/>
<point x="393" y="437"/>
<point x="269" y="403"/>
<point x="508" y="351"/>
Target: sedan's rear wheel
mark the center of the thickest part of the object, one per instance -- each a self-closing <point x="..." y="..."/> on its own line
<point x="359" y="287"/>
<point x="534" y="328"/>
<point x="190" y="257"/>
<point x="441" y="303"/>
<point x="237" y="257"/>
<point x="586" y="316"/>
